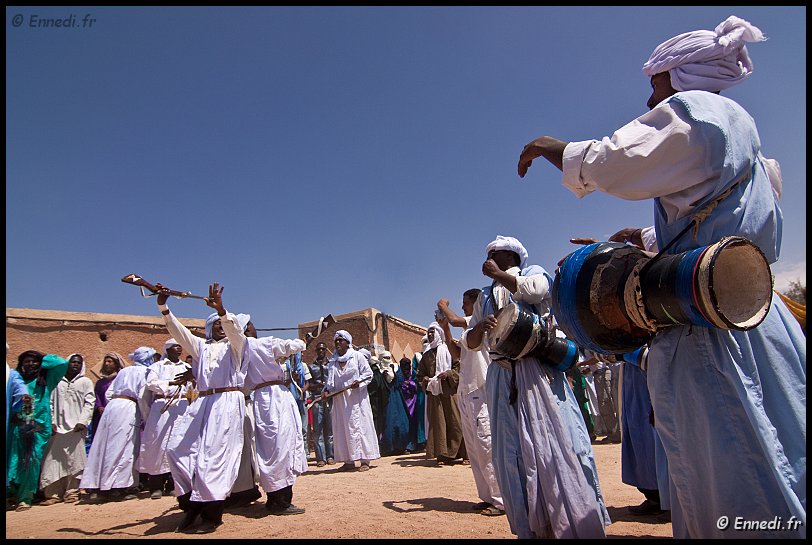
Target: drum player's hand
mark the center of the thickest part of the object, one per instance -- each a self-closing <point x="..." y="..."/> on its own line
<point x="489" y="322"/>
<point x="442" y="303"/>
<point x="490" y="268"/>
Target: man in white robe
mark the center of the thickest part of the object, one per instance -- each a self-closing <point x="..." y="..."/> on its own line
<point x="71" y="411"/>
<point x="473" y="404"/>
<point x="354" y="435"/>
<point x="278" y="431"/>
<point x="111" y="464"/>
<point x="213" y="443"/>
<point x="152" y="458"/>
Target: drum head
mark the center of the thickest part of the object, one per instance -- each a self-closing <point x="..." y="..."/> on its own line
<point x="739" y="289"/>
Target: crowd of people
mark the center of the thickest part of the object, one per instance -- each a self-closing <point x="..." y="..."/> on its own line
<point x="711" y="420"/>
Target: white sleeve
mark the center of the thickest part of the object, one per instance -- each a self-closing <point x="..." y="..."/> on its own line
<point x="476" y="317"/>
<point x="660" y="153"/>
<point x="531" y="289"/>
<point x="649" y="237"/>
<point x="188" y="341"/>
<point x="364" y="370"/>
<point x="282" y="348"/>
<point x="235" y="335"/>
<point x="155" y="383"/>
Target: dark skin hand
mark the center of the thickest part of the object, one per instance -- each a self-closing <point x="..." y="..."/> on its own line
<point x="548" y="147"/>
<point x="494" y="267"/>
<point x="552" y="149"/>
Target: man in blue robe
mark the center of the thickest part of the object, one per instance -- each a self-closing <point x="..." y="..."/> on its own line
<point x="730" y="406"/>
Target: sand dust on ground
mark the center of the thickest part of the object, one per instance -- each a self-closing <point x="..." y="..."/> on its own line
<point x="402" y="496"/>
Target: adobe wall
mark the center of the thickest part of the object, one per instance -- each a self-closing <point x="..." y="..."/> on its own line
<point x="370" y="329"/>
<point x="95" y="334"/>
<point x="86" y="333"/>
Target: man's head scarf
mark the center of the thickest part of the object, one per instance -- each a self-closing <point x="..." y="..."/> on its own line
<point x="386" y="357"/>
<point x="706" y="60"/>
<point x="367" y="354"/>
<point x="439" y="336"/>
<point x="509" y="243"/>
<point x="81" y="372"/>
<point x="168" y="344"/>
<point x="243" y="320"/>
<point x="213" y="317"/>
<point x="344" y="335"/>
<point x="121" y="363"/>
<point x="143" y="355"/>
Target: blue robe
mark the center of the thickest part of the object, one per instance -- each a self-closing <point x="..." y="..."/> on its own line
<point x="730" y="405"/>
<point x="396" y="434"/>
<point x="542" y="454"/>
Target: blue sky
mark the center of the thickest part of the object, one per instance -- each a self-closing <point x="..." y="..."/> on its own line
<point x="319" y="160"/>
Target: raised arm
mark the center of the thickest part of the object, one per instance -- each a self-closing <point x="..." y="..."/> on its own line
<point x="452" y="317"/>
<point x="190" y="342"/>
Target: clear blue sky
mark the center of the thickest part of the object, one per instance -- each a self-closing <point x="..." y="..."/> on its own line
<point x="320" y="160"/>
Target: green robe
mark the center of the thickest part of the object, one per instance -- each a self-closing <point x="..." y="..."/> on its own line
<point x="28" y="441"/>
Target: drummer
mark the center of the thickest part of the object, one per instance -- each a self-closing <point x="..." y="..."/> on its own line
<point x="538" y="435"/>
<point x="740" y="395"/>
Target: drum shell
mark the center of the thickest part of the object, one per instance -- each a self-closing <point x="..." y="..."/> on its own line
<point x="588" y="298"/>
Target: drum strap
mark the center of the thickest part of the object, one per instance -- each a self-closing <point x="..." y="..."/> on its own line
<point x="699" y="217"/>
<point x="514" y="392"/>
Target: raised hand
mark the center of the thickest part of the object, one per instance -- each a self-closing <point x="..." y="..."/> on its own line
<point x="215" y="298"/>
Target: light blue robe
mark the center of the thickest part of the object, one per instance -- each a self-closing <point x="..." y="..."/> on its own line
<point x="541" y="450"/>
<point x="731" y="405"/>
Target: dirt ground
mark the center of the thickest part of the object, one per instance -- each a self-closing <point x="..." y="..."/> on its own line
<point x="400" y="497"/>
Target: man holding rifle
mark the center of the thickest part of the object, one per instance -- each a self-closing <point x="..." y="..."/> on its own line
<point x="214" y="439"/>
<point x="354" y="435"/>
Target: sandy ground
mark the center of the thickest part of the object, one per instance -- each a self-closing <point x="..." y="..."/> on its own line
<point x="400" y="497"/>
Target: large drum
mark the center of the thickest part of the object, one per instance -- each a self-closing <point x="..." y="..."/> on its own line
<point x="612" y="298"/>
<point x="520" y="333"/>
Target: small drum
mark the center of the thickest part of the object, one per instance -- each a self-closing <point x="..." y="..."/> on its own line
<point x="520" y="333"/>
<point x="612" y="298"/>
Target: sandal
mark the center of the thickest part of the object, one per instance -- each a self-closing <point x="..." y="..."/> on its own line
<point x="492" y="511"/>
<point x="364" y="467"/>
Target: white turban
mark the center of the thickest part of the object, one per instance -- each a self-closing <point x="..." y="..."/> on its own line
<point x="170" y="343"/>
<point x="344" y="335"/>
<point x="439" y="335"/>
<point x="367" y="354"/>
<point x="706" y="60"/>
<point x="386" y="356"/>
<point x="508" y="243"/>
<point x="243" y="320"/>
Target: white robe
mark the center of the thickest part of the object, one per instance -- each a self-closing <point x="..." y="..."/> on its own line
<point x="111" y="461"/>
<point x="152" y="458"/>
<point x="71" y="403"/>
<point x="212" y="445"/>
<point x="182" y="463"/>
<point x="354" y="436"/>
<point x="279" y="444"/>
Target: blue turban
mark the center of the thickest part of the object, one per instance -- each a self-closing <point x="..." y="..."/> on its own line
<point x="213" y="317"/>
<point x="143" y="355"/>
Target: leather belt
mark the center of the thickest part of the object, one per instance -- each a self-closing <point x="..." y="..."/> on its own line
<point x="269" y="383"/>
<point x="124" y="397"/>
<point x="205" y="393"/>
